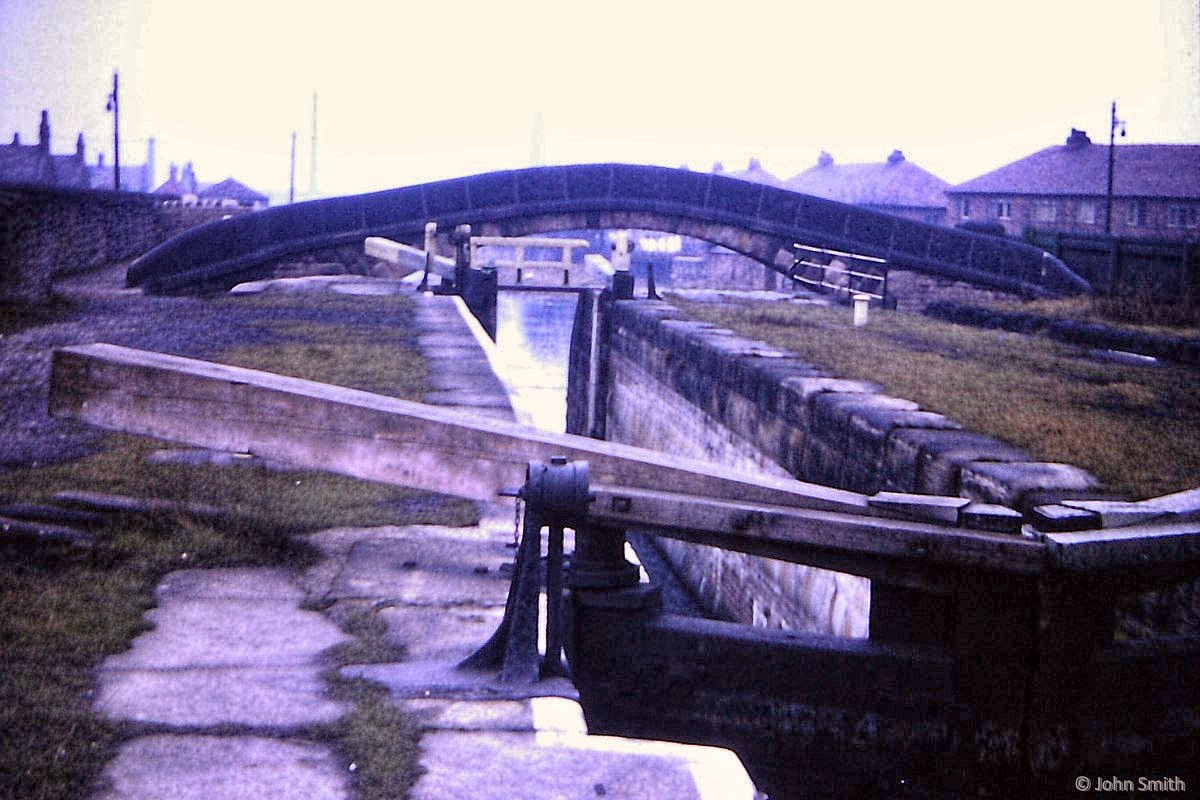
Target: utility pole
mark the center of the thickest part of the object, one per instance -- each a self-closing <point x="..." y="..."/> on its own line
<point x="292" y="178"/>
<point x="1112" y="140"/>
<point x="114" y="105"/>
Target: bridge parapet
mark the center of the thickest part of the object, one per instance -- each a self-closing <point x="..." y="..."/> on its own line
<point x="756" y="220"/>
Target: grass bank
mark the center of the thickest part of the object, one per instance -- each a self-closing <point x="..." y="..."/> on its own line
<point x="1124" y="311"/>
<point x="1136" y="428"/>
<point x="63" y="610"/>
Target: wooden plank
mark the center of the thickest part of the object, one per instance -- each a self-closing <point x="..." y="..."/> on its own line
<point x="808" y="536"/>
<point x="318" y="426"/>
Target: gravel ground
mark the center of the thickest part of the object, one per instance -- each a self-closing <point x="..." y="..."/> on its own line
<point x="102" y="311"/>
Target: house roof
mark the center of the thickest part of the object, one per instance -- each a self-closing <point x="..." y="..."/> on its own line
<point x="70" y="171"/>
<point x="133" y="177"/>
<point x="21" y="163"/>
<point x="230" y="189"/>
<point x="1139" y="170"/>
<point x="895" y="183"/>
<point x="755" y="173"/>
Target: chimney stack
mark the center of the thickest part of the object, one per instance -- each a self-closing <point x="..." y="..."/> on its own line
<point x="44" y="132"/>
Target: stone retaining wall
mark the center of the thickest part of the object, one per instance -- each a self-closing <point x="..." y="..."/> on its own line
<point x="47" y="233"/>
<point x="690" y="388"/>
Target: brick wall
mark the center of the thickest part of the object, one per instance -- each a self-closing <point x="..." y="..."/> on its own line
<point x="1077" y="215"/>
<point x="47" y="233"/>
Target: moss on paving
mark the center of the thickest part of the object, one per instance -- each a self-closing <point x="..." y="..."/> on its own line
<point x="1136" y="428"/>
<point x="63" y="610"/>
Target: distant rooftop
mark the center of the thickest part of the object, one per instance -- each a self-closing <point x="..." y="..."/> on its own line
<point x="230" y="189"/>
<point x="895" y="183"/>
<point x="753" y="172"/>
<point x="1080" y="167"/>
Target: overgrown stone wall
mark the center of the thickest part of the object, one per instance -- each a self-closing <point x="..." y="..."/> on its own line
<point x="46" y="233"/>
<point x="690" y="388"/>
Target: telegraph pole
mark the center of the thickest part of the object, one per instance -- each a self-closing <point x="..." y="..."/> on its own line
<point x="1112" y="140"/>
<point x="114" y="105"/>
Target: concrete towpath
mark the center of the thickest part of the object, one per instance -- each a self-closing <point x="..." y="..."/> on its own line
<point x="225" y="692"/>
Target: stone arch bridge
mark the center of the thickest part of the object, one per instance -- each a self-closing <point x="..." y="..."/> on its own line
<point x="759" y="221"/>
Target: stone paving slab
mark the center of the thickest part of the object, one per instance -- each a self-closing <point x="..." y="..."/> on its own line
<point x="458" y="631"/>
<point x="519" y="716"/>
<point x="227" y="647"/>
<point x="256" y="583"/>
<point x="426" y="571"/>
<point x="209" y="633"/>
<point x="271" y="697"/>
<point x="514" y="766"/>
<point x="223" y="768"/>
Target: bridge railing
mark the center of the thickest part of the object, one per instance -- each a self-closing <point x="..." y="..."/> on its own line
<point x="823" y="268"/>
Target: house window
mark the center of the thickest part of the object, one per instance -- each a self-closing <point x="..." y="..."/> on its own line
<point x="1087" y="213"/>
<point x="964" y="207"/>
<point x="1135" y="213"/>
<point x="1182" y="216"/>
<point x="1003" y="209"/>
<point x="1045" y="211"/>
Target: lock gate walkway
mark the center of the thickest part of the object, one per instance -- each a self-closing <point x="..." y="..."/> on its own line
<point x="224" y="687"/>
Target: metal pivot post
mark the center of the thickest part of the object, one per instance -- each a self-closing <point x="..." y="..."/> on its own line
<point x="461" y="239"/>
<point x="555" y="496"/>
<point x="622" y="285"/>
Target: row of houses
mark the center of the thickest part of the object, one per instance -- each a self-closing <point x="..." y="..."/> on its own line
<point x="1064" y="188"/>
<point x="35" y="164"/>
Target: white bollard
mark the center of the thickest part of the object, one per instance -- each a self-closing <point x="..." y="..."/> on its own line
<point x="861" y="302"/>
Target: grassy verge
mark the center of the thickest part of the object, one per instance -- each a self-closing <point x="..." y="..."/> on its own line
<point x="63" y="611"/>
<point x="1124" y="311"/>
<point x="1136" y="428"/>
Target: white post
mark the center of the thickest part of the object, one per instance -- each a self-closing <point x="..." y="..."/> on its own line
<point x="861" y="302"/>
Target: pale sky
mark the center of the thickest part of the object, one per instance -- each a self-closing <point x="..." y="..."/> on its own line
<point x="414" y="92"/>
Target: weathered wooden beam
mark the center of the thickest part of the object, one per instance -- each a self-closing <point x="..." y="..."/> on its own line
<point x="861" y="545"/>
<point x="350" y="432"/>
<point x="1129" y="549"/>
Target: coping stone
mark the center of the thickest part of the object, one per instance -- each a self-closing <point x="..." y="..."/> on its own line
<point x="1029" y="483"/>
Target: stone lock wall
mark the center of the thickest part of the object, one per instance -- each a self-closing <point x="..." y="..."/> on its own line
<point x="47" y="233"/>
<point x="690" y="388"/>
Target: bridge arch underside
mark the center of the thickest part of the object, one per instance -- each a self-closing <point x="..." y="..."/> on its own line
<point x="761" y="222"/>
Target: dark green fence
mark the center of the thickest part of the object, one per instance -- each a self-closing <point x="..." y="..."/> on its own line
<point x="1167" y="270"/>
